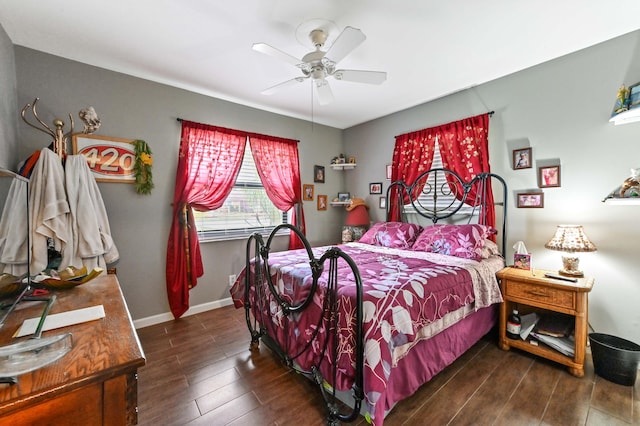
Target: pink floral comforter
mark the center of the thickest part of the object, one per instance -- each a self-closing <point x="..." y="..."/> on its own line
<point x="408" y="296"/>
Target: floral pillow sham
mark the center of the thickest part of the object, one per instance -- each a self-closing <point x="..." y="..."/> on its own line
<point x="391" y="234"/>
<point x="465" y="241"/>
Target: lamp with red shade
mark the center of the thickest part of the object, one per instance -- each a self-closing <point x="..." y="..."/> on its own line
<point x="357" y="221"/>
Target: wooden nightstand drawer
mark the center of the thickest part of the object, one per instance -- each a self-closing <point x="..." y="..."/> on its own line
<point x="543" y="294"/>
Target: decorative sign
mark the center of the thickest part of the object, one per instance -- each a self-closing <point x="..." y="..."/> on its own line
<point x="110" y="159"/>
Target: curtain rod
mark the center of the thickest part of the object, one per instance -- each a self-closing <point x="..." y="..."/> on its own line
<point x="242" y="131"/>
<point x="490" y="114"/>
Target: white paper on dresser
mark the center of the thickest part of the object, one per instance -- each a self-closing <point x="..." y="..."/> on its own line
<point x="62" y="319"/>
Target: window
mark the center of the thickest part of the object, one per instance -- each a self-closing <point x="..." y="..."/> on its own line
<point x="445" y="201"/>
<point x="248" y="209"/>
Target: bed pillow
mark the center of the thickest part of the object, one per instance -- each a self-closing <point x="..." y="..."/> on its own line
<point x="391" y="234"/>
<point x="465" y="241"/>
<point x="489" y="249"/>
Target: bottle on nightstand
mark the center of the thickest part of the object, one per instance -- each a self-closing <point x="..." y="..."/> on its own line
<point x="514" y="324"/>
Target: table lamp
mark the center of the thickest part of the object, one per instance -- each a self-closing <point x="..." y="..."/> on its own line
<point x="570" y="239"/>
<point x="357" y="221"/>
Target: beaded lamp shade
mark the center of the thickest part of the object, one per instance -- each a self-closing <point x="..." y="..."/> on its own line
<point x="570" y="239"/>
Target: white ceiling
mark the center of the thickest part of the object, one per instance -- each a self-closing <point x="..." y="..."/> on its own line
<point x="428" y="48"/>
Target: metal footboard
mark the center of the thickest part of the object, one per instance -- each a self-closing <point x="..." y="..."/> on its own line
<point x="259" y="285"/>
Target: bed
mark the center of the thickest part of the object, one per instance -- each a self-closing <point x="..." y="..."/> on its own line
<point x="374" y="320"/>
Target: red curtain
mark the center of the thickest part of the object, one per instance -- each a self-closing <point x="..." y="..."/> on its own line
<point x="278" y="165"/>
<point x="464" y="147"/>
<point x="208" y="163"/>
<point x="412" y="156"/>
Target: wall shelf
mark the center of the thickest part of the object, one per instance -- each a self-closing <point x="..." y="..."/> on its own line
<point x="622" y="201"/>
<point x="343" y="166"/>
<point x="626" y="117"/>
<point x="340" y="203"/>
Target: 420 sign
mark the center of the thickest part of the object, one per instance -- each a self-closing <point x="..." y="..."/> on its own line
<point x="110" y="159"/>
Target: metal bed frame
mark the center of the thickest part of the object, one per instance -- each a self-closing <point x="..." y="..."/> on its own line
<point x="434" y="185"/>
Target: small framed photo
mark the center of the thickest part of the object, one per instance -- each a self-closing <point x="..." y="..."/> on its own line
<point x="382" y="203"/>
<point x="322" y="202"/>
<point x="634" y="96"/>
<point x="522" y="261"/>
<point x="531" y="200"/>
<point x="344" y="196"/>
<point x="307" y="192"/>
<point x="522" y="158"/>
<point x="318" y="174"/>
<point x="389" y="170"/>
<point x="375" y="188"/>
<point x="549" y="176"/>
<point x="352" y="160"/>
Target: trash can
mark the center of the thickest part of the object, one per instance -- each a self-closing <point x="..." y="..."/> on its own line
<point x="615" y="359"/>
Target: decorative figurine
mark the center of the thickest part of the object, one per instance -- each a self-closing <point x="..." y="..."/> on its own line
<point x="90" y="120"/>
<point x="631" y="184"/>
<point x="622" y="100"/>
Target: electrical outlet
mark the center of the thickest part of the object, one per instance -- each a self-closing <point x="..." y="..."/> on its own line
<point x="232" y="279"/>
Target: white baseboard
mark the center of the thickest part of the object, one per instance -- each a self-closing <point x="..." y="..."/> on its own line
<point x="204" y="307"/>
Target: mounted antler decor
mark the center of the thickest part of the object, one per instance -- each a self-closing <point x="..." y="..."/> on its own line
<point x="61" y="139"/>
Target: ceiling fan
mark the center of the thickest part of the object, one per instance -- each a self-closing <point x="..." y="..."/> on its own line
<point x="318" y="65"/>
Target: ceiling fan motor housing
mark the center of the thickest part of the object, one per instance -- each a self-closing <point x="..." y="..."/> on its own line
<point x="318" y="64"/>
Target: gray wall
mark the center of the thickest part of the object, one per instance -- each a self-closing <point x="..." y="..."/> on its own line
<point x="138" y="109"/>
<point x="561" y="109"/>
<point x="8" y="113"/>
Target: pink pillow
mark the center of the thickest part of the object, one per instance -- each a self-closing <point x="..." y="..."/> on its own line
<point x="465" y="241"/>
<point x="391" y="234"/>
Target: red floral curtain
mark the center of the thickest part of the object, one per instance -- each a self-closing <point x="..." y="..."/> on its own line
<point x="278" y="165"/>
<point x="208" y="163"/>
<point x="412" y="156"/>
<point x="464" y="147"/>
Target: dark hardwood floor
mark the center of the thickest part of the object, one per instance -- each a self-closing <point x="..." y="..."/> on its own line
<point x="200" y="372"/>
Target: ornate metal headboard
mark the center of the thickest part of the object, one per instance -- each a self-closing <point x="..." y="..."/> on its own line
<point x="440" y="193"/>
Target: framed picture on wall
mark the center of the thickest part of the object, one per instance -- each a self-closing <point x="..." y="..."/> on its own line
<point x="318" y="174"/>
<point x="307" y="192"/>
<point x="388" y="171"/>
<point x="531" y="200"/>
<point x="382" y="203"/>
<point x="375" y="188"/>
<point x="522" y="158"/>
<point x="322" y="202"/>
<point x="549" y="176"/>
<point x="110" y="159"/>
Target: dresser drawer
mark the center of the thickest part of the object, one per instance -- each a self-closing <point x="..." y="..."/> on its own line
<point x="542" y="294"/>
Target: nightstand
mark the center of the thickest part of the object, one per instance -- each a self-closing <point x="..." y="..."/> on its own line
<point x="531" y="291"/>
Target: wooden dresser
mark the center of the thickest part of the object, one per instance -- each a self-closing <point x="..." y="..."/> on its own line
<point x="96" y="382"/>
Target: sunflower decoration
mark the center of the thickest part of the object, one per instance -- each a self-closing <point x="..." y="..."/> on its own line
<point x="142" y="167"/>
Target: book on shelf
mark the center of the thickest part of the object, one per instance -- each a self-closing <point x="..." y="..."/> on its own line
<point x="564" y="345"/>
<point x="555" y="325"/>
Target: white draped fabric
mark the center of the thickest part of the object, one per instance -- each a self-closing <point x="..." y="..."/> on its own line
<point x="66" y="209"/>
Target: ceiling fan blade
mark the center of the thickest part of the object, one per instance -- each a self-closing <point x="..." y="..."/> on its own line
<point x="357" y="76"/>
<point x="273" y="89"/>
<point x="276" y="53"/>
<point x="323" y="91"/>
<point x="349" y="39"/>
